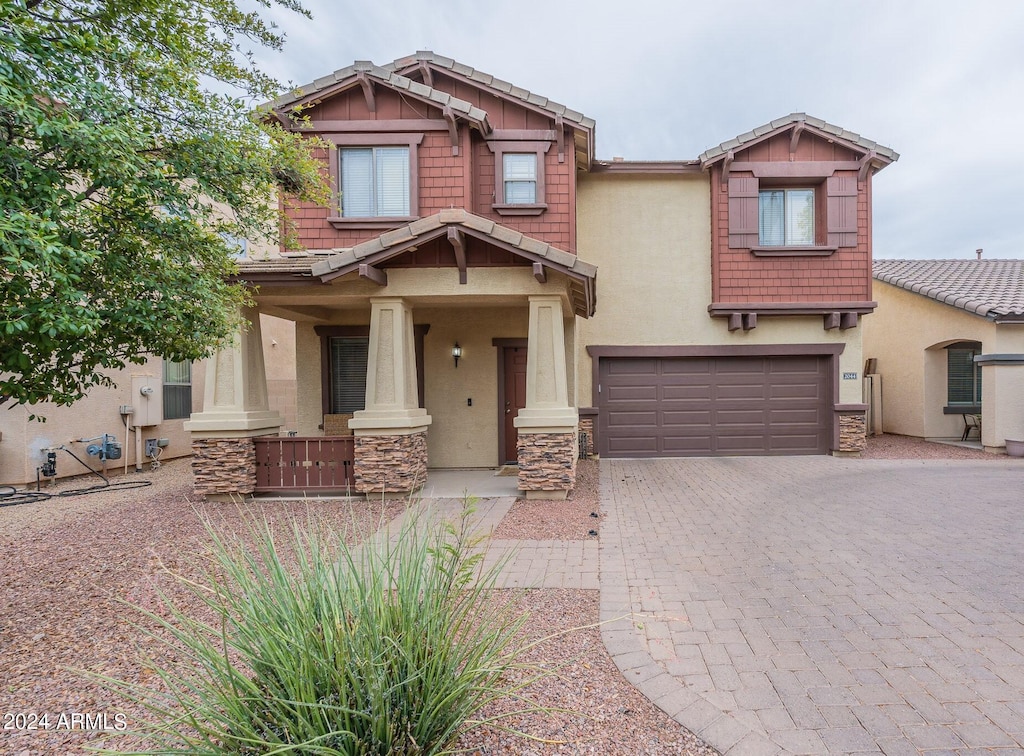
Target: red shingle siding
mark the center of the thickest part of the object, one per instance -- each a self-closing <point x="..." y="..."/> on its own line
<point x="740" y="277"/>
<point x="445" y="180"/>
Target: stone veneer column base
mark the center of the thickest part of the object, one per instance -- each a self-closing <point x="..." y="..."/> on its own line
<point x="852" y="434"/>
<point x="224" y="468"/>
<point x="547" y="464"/>
<point x="391" y="464"/>
<point x="587" y="426"/>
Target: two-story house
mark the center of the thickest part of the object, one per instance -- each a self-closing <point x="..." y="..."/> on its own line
<point x="447" y="309"/>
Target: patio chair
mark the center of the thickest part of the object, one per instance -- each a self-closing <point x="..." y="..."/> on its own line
<point x="971" y="422"/>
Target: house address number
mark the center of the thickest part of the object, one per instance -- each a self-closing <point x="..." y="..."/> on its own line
<point x="849" y="376"/>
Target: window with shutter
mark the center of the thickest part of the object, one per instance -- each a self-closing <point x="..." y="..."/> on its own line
<point x="348" y="374"/>
<point x="963" y="375"/>
<point x="785" y="217"/>
<point x="842" y="210"/>
<point x="743" y="212"/>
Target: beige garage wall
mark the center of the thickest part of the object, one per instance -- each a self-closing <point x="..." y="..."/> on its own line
<point x="650" y="237"/>
<point x="906" y="334"/>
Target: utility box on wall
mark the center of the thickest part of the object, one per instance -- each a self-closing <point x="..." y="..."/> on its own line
<point x="148" y="400"/>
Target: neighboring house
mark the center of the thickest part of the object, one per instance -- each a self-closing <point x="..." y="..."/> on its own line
<point x="173" y="392"/>
<point x="948" y="337"/>
<point x="447" y="309"/>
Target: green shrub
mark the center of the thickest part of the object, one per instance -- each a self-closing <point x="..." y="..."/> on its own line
<point x="391" y="647"/>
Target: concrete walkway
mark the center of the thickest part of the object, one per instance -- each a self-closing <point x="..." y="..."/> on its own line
<point x="820" y="605"/>
<point x="524" y="564"/>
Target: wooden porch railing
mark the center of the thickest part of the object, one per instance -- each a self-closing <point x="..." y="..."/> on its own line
<point x="295" y="463"/>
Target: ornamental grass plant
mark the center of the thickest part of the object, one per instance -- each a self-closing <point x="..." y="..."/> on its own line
<point x="317" y="647"/>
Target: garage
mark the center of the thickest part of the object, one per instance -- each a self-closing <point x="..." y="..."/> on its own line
<point x="666" y="406"/>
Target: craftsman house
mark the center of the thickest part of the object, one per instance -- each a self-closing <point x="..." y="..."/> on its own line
<point x="448" y="314"/>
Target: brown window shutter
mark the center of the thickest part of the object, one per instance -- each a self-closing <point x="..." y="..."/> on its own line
<point x="742" y="212"/>
<point x="842" y="211"/>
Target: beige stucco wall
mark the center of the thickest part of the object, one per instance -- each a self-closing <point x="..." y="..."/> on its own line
<point x="279" y="360"/>
<point x="22" y="439"/>
<point x="650" y="237"/>
<point x="460" y="435"/>
<point x="907" y="334"/>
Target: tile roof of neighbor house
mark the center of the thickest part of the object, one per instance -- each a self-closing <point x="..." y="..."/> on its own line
<point x="993" y="289"/>
<point x="778" y="124"/>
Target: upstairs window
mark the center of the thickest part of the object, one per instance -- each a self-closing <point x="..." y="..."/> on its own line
<point x="177" y="390"/>
<point x="963" y="375"/>
<point x="374" y="182"/>
<point x="785" y="217"/>
<point x="519" y="182"/>
<point x="520" y="173"/>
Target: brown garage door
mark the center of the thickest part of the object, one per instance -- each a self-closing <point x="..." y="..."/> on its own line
<point x="714" y="406"/>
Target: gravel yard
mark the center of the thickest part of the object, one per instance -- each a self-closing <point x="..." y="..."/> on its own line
<point x="67" y="564"/>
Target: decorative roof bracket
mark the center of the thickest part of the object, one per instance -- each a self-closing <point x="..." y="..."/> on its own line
<point x="539" y="273"/>
<point x="458" y="241"/>
<point x="865" y="165"/>
<point x="794" y="139"/>
<point x="367" y="85"/>
<point x="428" y="75"/>
<point x="726" y="165"/>
<point x="560" y="137"/>
<point x="370" y="273"/>
<point x="453" y="128"/>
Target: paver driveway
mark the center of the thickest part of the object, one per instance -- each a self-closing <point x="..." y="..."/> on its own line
<point x="820" y="605"/>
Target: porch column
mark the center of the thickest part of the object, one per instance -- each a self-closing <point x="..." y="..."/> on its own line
<point x="391" y="433"/>
<point x="1002" y="401"/>
<point x="235" y="409"/>
<point x="547" y="424"/>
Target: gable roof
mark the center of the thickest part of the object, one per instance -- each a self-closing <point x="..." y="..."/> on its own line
<point x="582" y="276"/>
<point x="397" y="75"/>
<point x="992" y="289"/>
<point x="492" y="83"/>
<point x="345" y="78"/>
<point x="883" y="154"/>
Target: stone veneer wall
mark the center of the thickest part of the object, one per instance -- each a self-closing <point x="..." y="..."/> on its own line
<point x="852" y="433"/>
<point x="547" y="461"/>
<point x="587" y="426"/>
<point x="391" y="464"/>
<point x="224" y="466"/>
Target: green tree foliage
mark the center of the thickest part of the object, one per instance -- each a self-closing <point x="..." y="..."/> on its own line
<point x="130" y="159"/>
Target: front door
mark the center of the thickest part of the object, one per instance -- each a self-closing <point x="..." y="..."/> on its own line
<point x="514" y="399"/>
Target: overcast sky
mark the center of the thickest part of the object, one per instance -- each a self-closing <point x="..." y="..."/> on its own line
<point x="942" y="83"/>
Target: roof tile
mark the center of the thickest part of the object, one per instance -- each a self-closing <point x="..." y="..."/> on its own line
<point x="989" y="288"/>
<point x="839" y="132"/>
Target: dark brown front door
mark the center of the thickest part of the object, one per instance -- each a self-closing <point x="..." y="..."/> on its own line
<point x="514" y="398"/>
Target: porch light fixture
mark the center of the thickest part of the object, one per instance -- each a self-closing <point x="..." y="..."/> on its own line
<point x="456" y="353"/>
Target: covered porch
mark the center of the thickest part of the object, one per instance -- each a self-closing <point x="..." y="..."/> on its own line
<point x="447" y="343"/>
